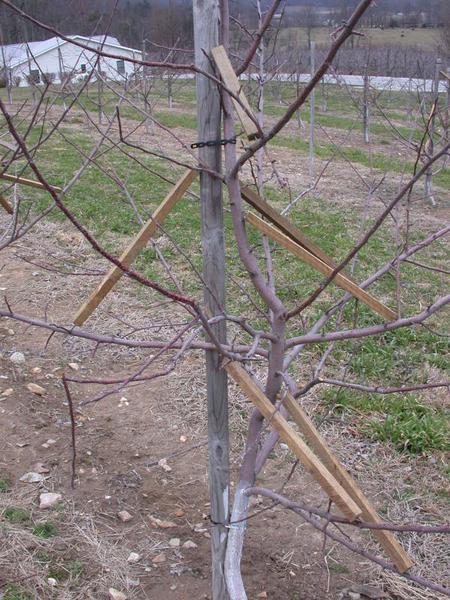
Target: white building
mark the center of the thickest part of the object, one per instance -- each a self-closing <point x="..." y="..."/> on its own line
<point x="55" y="59"/>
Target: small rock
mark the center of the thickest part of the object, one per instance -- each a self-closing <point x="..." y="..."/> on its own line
<point x="134" y="557"/>
<point x="179" y="513"/>
<point x="48" y="443"/>
<point x="354" y="595"/>
<point x="159" y="559"/>
<point x="163" y="464"/>
<point x="189" y="545"/>
<point x="36" y="370"/>
<point x="24" y="445"/>
<point x="74" y="366"/>
<point x="183" y="439"/>
<point x="368" y="591"/>
<point x="49" y="499"/>
<point x="6" y="331"/>
<point x="173" y="587"/>
<point x="116" y="595"/>
<point x="32" y="477"/>
<point x="174" y="543"/>
<point x="162" y="524"/>
<point x="124" y="516"/>
<point x="51" y="581"/>
<point x="34" y="388"/>
<point x="262" y="595"/>
<point x="7" y="392"/>
<point x="40" y="467"/>
<point x="17" y="358"/>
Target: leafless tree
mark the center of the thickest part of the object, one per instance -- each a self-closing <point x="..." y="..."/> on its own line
<point x="267" y="341"/>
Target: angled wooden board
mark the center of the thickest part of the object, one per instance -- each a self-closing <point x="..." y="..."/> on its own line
<point x="315" y="262"/>
<point x="6" y="204"/>
<point x="284" y="225"/>
<point x="386" y="538"/>
<point x="232" y="82"/>
<point x="135" y="247"/>
<point x="8" y="146"/>
<point x="326" y="480"/>
<point x="28" y="182"/>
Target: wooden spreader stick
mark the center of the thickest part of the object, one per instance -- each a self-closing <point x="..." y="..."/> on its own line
<point x="135" y="246"/>
<point x="284" y="224"/>
<point x="342" y="281"/>
<point x="326" y="480"/>
<point x="232" y="82"/>
<point x="387" y="540"/>
<point x="28" y="182"/>
<point x="6" y="205"/>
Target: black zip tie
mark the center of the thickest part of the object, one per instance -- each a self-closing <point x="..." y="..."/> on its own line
<point x="213" y="143"/>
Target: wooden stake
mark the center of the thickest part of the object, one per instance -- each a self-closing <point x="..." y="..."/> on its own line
<point x="207" y="17"/>
<point x="386" y="538"/>
<point x="342" y="281"/>
<point x="326" y="480"/>
<point x="6" y="205"/>
<point x="231" y="81"/>
<point x="135" y="246"/>
<point x="28" y="182"/>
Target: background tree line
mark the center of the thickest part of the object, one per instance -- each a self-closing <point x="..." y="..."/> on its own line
<point x="169" y="23"/>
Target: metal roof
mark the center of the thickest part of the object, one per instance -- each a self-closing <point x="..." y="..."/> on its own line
<point x="16" y="54"/>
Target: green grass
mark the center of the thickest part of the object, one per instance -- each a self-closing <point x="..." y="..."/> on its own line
<point x="176" y="119"/>
<point x="5" y="484"/>
<point x="43" y="557"/>
<point x="415" y="429"/>
<point x="16" y="516"/>
<point x="45" y="530"/>
<point x="62" y="571"/>
<point x="76" y="570"/>
<point x="409" y="425"/>
<point x="14" y="592"/>
<point x="380" y="162"/>
<point x="443" y="495"/>
<point x="397" y="351"/>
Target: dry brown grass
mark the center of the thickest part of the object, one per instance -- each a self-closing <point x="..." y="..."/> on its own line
<point x="86" y="557"/>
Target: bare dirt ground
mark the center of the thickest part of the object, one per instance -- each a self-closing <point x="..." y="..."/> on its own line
<point x="121" y="441"/>
<point x="119" y="446"/>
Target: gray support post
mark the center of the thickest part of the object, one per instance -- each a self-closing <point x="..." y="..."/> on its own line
<point x="431" y="130"/>
<point x="366" y="124"/>
<point x="99" y="94"/>
<point x="206" y="36"/>
<point x="145" y="86"/>
<point x="312" y="119"/>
